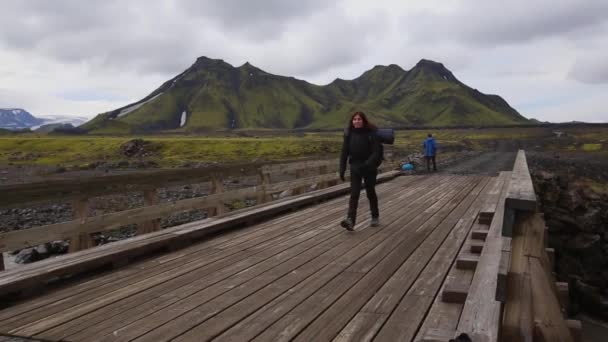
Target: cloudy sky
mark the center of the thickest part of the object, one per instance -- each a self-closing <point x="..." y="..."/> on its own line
<point x="547" y="58"/>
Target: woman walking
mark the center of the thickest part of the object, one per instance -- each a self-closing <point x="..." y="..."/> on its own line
<point x="361" y="149"/>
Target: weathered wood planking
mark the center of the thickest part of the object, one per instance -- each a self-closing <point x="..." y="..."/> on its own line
<point x="481" y="313"/>
<point x="408" y="312"/>
<point x="443" y="317"/>
<point x="205" y="307"/>
<point x="520" y="195"/>
<point x="412" y="205"/>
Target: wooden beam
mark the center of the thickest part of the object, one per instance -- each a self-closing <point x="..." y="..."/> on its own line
<point x="78" y="187"/>
<point x="481" y="314"/>
<point x="520" y="195"/>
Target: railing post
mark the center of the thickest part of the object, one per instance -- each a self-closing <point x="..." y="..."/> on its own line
<point x="300" y="189"/>
<point x="322" y="171"/>
<point x="262" y="196"/>
<point x="217" y="186"/>
<point x="150" y="198"/>
<point x="85" y="240"/>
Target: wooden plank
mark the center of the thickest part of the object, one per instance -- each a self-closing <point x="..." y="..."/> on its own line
<point x="481" y="313"/>
<point x="518" y="319"/>
<point x="547" y="313"/>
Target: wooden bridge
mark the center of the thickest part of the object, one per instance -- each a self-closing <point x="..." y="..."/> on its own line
<point x="453" y="254"/>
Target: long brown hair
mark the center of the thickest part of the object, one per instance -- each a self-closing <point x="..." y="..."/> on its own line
<point x="366" y="122"/>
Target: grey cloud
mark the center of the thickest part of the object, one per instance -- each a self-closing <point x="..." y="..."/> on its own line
<point x="488" y="23"/>
<point x="592" y="70"/>
<point x="148" y="36"/>
<point x="262" y="19"/>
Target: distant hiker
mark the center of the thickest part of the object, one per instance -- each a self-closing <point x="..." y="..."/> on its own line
<point x="362" y="149"/>
<point x="430" y="149"/>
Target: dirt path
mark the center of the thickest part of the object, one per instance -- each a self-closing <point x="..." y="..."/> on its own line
<point x="486" y="163"/>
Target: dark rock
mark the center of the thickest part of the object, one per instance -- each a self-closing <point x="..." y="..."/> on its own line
<point x="584" y="242"/>
<point x="137" y="148"/>
<point x="27" y="255"/>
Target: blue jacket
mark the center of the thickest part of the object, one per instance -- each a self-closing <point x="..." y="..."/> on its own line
<point x="430" y="146"/>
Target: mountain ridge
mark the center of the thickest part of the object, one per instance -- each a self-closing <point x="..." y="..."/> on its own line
<point x="212" y="94"/>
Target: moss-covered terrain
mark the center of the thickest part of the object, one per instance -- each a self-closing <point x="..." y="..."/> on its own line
<point x="176" y="150"/>
<point x="213" y="94"/>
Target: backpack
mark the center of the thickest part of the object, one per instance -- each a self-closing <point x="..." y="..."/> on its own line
<point x="384" y="136"/>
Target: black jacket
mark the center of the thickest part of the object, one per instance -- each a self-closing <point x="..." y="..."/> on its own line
<point x="362" y="150"/>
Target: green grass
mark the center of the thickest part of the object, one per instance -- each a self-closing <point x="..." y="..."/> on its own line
<point x="592" y="147"/>
<point x="242" y="145"/>
<point x="169" y="151"/>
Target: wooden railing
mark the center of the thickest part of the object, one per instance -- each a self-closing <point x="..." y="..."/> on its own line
<point x="316" y="174"/>
<point x="513" y="296"/>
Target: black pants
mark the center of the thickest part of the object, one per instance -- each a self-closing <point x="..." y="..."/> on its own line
<point x="369" y="178"/>
<point x="428" y="163"/>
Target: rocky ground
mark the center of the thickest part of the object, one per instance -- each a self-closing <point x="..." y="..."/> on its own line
<point x="572" y="190"/>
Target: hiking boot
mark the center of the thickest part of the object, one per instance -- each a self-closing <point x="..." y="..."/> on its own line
<point x="375" y="222"/>
<point x="348" y="224"/>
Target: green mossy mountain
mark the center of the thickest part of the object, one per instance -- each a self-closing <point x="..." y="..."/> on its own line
<point x="213" y="94"/>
